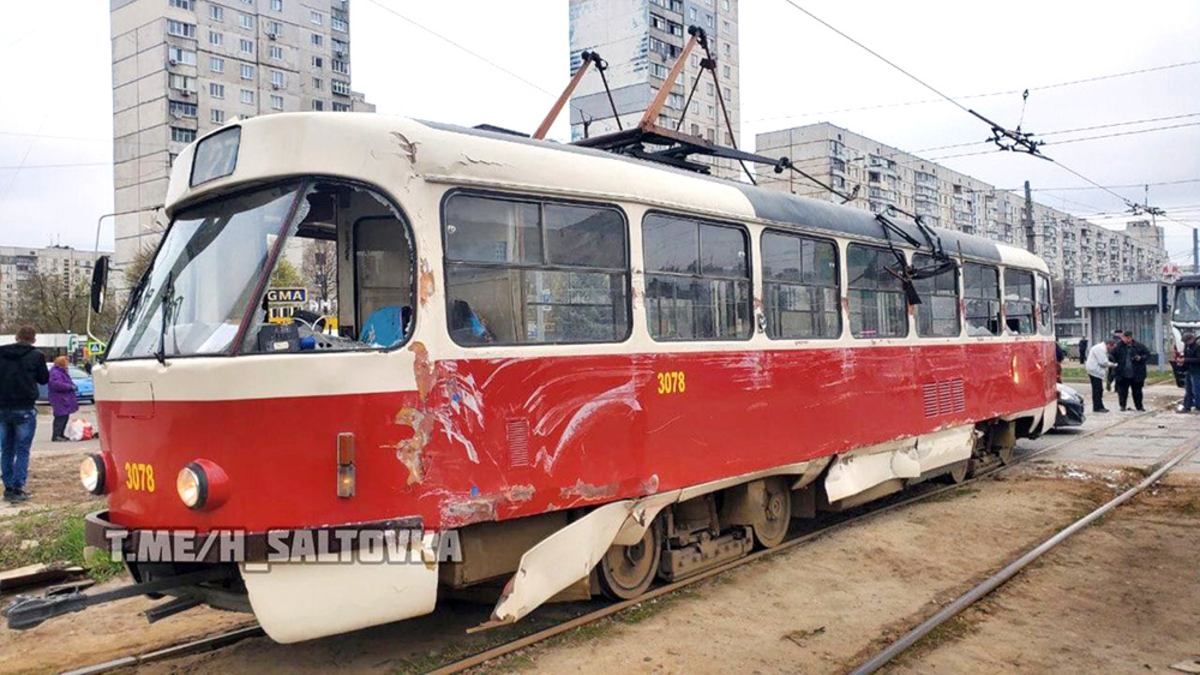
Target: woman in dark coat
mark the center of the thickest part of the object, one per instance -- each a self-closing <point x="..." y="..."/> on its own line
<point x="63" y="398"/>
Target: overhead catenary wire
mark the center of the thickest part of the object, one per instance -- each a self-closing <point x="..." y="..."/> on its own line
<point x="464" y="48"/>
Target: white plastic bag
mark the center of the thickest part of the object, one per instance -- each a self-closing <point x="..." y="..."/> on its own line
<point x="75" y="430"/>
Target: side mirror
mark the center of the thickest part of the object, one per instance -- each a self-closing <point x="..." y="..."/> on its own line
<point x="99" y="283"/>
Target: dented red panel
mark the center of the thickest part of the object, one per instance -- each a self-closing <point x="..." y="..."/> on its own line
<point x="504" y="438"/>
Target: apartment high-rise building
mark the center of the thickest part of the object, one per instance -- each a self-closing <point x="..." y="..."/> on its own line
<point x="19" y="263"/>
<point x="1075" y="249"/>
<point x="184" y="67"/>
<point x="641" y="40"/>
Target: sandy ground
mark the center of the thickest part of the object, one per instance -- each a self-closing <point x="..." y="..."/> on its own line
<point x="1120" y="597"/>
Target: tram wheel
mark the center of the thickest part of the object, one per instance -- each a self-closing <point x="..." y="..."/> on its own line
<point x="626" y="572"/>
<point x="1006" y="454"/>
<point x="771" y="524"/>
<point x="959" y="473"/>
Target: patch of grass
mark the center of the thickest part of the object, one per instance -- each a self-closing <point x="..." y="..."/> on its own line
<point x="59" y="536"/>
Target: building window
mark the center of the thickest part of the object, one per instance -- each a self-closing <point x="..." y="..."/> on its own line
<point x="692" y="16"/>
<point x="725" y="71"/>
<point x="248" y="96"/>
<point x="274" y="28"/>
<point x="277" y="79"/>
<point x="216" y="90"/>
<point x="658" y="70"/>
<point x="181" y="109"/>
<point x="276" y="5"/>
<point x="316" y="18"/>
<point x="725" y="5"/>
<point x="339" y="66"/>
<point x="981" y="297"/>
<point x="1018" y="301"/>
<point x="216" y="12"/>
<point x="937" y="315"/>
<point x="527" y="272"/>
<point x="247" y="71"/>
<point x="184" y="56"/>
<point x="340" y="47"/>
<point x="181" y="4"/>
<point x="276" y="102"/>
<point x="318" y="62"/>
<point x="877" y="305"/>
<point x="710" y="89"/>
<point x="247" y="46"/>
<point x="728" y="49"/>
<point x="247" y="21"/>
<point x="339" y="87"/>
<point x="800" y="287"/>
<point x="217" y="116"/>
<point x="697" y="279"/>
<point x="341" y="107"/>
<point x="318" y="104"/>
<point x="318" y="39"/>
<point x="728" y="93"/>
<point x="276" y="52"/>
<point x="675" y="101"/>
<point x="181" y="29"/>
<point x="339" y="24"/>
<point x="216" y="64"/>
<point x="216" y="38"/>
<point x="317" y="84"/>
<point x="182" y="135"/>
<point x="182" y="82"/>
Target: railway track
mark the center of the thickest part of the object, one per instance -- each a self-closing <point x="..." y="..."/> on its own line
<point x="839" y="522"/>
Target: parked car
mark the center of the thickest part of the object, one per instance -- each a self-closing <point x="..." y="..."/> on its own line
<point x="83" y="383"/>
<point x="1070" y="407"/>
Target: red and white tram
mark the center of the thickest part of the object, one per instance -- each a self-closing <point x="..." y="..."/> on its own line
<point x="594" y="369"/>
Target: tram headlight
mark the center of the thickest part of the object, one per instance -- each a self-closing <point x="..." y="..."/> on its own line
<point x="92" y="474"/>
<point x="192" y="486"/>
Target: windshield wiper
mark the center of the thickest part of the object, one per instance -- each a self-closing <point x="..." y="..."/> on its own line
<point x="168" y="307"/>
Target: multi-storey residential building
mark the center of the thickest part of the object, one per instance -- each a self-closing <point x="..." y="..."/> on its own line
<point x="1075" y="249"/>
<point x="641" y="40"/>
<point x="17" y="264"/>
<point x="184" y="67"/>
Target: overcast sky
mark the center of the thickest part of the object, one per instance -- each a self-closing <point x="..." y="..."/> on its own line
<point x="58" y="107"/>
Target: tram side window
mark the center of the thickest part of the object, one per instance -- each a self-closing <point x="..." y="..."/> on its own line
<point x="937" y="315"/>
<point x="1045" y="309"/>
<point x="877" y="304"/>
<point x="697" y="279"/>
<point x="1018" y="301"/>
<point x="800" y="287"/>
<point x="981" y="295"/>
<point x="530" y="272"/>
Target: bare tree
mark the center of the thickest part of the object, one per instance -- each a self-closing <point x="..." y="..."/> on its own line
<point x="319" y="269"/>
<point x="49" y="303"/>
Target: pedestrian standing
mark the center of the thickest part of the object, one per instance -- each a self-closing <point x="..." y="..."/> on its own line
<point x="64" y="397"/>
<point x="1097" y="367"/>
<point x="1083" y="350"/>
<point x="1112" y="373"/>
<point x="22" y="369"/>
<point x="1131" y="357"/>
<point x="1191" y="373"/>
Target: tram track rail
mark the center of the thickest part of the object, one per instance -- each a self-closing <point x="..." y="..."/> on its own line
<point x="857" y="515"/>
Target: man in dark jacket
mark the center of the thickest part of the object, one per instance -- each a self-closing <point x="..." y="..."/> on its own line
<point x="22" y="369"/>
<point x="1191" y="365"/>
<point x="1083" y="349"/>
<point x="1131" y="357"/>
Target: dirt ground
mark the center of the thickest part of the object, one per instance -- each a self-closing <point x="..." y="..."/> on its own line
<point x="1120" y="597"/>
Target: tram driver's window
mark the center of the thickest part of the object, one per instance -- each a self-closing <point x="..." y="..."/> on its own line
<point x="532" y="271"/>
<point x="981" y="295"/>
<point x="697" y="279"/>
<point x="344" y="279"/>
<point x="1018" y="301"/>
<point x="878" y="308"/>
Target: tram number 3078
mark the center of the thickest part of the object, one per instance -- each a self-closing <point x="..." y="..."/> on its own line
<point x="672" y="382"/>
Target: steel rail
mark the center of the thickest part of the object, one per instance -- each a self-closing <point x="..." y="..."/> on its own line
<point x="221" y="640"/>
<point x="1012" y="569"/>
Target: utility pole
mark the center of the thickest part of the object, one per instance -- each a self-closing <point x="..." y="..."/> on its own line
<point x="1030" y="235"/>
<point x="1196" y="250"/>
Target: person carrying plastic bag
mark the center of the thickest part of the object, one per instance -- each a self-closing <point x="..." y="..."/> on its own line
<point x="64" y="398"/>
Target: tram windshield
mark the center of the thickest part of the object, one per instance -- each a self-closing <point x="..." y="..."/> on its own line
<point x="1187" y="304"/>
<point x="214" y="267"/>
